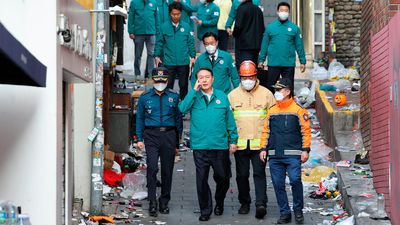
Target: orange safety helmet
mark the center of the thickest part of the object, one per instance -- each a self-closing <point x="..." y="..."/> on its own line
<point x="247" y="69"/>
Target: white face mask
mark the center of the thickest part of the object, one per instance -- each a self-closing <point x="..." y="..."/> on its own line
<point x="283" y="15"/>
<point x="202" y="1"/>
<point x="248" y="84"/>
<point x="211" y="49"/>
<point x="160" y="86"/>
<point x="279" y="96"/>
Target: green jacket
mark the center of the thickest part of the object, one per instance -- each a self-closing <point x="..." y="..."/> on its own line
<point x="224" y="70"/>
<point x="232" y="13"/>
<point x="280" y="43"/>
<point x="208" y="14"/>
<point x="164" y="13"/>
<point x="212" y="126"/>
<point x="175" y="46"/>
<point x="143" y="17"/>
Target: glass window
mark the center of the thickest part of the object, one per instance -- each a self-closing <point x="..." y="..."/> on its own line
<point x="318" y="26"/>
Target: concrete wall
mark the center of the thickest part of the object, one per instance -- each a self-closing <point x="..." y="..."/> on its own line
<point x="83" y="105"/>
<point x="31" y="118"/>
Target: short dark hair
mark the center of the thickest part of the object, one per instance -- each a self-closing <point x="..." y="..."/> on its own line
<point x="205" y="68"/>
<point x="175" y="5"/>
<point x="210" y="34"/>
<point x="283" y="4"/>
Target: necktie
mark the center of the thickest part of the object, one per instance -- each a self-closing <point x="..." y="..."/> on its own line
<point x="212" y="59"/>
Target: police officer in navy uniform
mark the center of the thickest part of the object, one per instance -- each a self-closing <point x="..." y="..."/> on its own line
<point x="158" y="127"/>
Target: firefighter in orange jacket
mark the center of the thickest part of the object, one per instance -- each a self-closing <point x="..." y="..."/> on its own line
<point x="250" y="103"/>
<point x="286" y="139"/>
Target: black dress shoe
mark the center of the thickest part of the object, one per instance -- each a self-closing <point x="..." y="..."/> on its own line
<point x="153" y="208"/>
<point x="218" y="210"/>
<point x="284" y="219"/>
<point x="204" y="218"/>
<point x="244" y="209"/>
<point x="164" y="209"/>
<point x="260" y="212"/>
<point x="299" y="218"/>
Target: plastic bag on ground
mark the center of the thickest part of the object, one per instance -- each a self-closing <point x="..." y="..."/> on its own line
<point x="348" y="221"/>
<point x="135" y="181"/>
<point x="319" y="155"/>
<point x="315" y="174"/>
<point x="334" y="68"/>
<point x="342" y="84"/>
<point x="319" y="73"/>
<point x="353" y="74"/>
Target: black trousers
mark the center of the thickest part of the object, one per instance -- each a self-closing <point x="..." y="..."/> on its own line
<point x="182" y="72"/>
<point x="243" y="55"/>
<point x="220" y="162"/>
<point x="243" y="159"/>
<point x="160" y="144"/>
<point x="274" y="72"/>
<point x="223" y="38"/>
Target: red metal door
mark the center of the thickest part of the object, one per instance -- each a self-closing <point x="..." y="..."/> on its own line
<point x="394" y="68"/>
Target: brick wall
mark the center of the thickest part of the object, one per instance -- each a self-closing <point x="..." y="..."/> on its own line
<point x="379" y="104"/>
<point x="374" y="123"/>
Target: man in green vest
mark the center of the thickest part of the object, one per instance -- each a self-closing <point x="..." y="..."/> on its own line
<point x="175" y="48"/>
<point x="207" y="18"/>
<point x="220" y="62"/>
<point x="282" y="39"/>
<point x="164" y="11"/>
<point x="213" y="135"/>
<point x="142" y="27"/>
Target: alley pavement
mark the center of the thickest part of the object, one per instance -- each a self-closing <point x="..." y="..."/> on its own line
<point x="184" y="208"/>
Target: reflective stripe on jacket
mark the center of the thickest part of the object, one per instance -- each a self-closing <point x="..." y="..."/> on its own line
<point x="286" y="132"/>
<point x="250" y="110"/>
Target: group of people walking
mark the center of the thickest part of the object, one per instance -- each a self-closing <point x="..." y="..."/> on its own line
<point x="230" y="112"/>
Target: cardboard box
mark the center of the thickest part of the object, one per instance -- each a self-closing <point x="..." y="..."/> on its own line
<point x="108" y="158"/>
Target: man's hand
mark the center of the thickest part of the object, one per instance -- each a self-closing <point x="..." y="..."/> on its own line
<point x="229" y="30"/>
<point x="197" y="85"/>
<point x="132" y="36"/>
<point x="263" y="156"/>
<point x="232" y="148"/>
<point x="192" y="61"/>
<point x="177" y="151"/>
<point x="140" y="145"/>
<point x="302" y="68"/>
<point x="261" y="65"/>
<point x="158" y="61"/>
<point x="199" y="22"/>
<point x="304" y="157"/>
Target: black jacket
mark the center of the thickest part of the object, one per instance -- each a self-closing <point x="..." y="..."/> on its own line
<point x="249" y="27"/>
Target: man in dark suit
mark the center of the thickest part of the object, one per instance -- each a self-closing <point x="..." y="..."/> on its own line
<point x="248" y="32"/>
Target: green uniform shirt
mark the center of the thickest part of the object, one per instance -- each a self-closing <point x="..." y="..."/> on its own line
<point x="208" y="14"/>
<point x="164" y="13"/>
<point x="175" y="45"/>
<point x="224" y="70"/>
<point x="280" y="43"/>
<point x="232" y="13"/>
<point x="143" y="17"/>
<point x="212" y="126"/>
